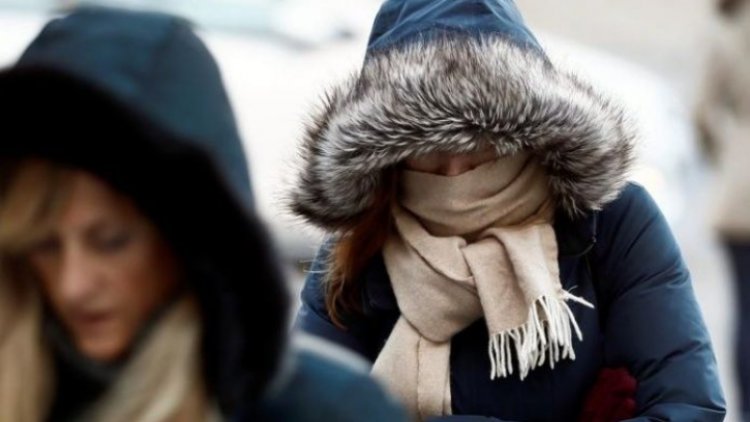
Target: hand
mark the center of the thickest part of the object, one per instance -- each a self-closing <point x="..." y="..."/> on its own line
<point x="612" y="399"/>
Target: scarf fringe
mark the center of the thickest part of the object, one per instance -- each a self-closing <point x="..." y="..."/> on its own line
<point x="547" y="336"/>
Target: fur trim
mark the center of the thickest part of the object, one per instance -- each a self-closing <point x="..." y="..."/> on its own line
<point x="452" y="94"/>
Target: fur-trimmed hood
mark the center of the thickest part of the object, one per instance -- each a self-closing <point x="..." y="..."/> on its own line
<point x="449" y="76"/>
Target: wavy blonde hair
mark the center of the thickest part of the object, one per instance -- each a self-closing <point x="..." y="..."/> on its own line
<point x="163" y="379"/>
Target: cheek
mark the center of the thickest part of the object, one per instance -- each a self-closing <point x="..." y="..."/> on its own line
<point x="142" y="281"/>
<point x="147" y="279"/>
<point x="46" y="270"/>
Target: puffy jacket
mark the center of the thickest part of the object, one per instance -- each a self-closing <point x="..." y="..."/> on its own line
<point x="622" y="259"/>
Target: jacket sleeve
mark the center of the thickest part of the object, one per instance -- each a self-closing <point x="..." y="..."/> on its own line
<point x="653" y="325"/>
<point x="312" y="316"/>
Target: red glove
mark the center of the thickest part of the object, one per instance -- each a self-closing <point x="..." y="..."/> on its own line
<point x="612" y="399"/>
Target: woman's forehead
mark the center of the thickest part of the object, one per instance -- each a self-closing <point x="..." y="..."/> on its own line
<point x="92" y="201"/>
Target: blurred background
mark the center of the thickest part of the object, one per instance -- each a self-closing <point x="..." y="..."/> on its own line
<point x="277" y="57"/>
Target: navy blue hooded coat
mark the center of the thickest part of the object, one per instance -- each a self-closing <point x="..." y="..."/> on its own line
<point x="451" y="75"/>
<point x="136" y="99"/>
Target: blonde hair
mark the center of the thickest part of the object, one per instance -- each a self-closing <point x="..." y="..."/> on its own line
<point x="162" y="381"/>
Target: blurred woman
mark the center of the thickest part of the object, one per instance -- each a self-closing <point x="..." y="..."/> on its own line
<point x="486" y="252"/>
<point x="723" y="119"/>
<point x="135" y="282"/>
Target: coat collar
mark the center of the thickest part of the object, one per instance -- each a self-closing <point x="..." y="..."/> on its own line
<point x="576" y="236"/>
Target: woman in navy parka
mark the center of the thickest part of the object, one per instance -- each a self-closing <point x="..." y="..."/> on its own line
<point x="409" y="166"/>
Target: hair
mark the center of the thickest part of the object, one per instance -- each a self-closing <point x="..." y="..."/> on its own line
<point x="161" y="381"/>
<point x="730" y="8"/>
<point x="356" y="245"/>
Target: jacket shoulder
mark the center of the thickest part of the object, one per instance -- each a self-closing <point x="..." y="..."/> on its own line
<point x="631" y="229"/>
<point x="630" y="217"/>
<point x="633" y="201"/>
<point x="329" y="386"/>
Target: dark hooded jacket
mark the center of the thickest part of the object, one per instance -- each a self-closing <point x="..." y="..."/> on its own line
<point x="445" y="75"/>
<point x="136" y="99"/>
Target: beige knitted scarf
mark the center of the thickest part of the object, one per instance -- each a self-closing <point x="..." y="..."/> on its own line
<point x="476" y="245"/>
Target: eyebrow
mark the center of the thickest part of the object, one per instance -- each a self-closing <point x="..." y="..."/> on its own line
<point x="96" y="226"/>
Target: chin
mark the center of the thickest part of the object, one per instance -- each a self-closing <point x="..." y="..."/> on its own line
<point x="102" y="351"/>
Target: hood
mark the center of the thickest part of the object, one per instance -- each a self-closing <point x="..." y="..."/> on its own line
<point x="153" y="63"/>
<point x="450" y="75"/>
<point x="136" y="99"/>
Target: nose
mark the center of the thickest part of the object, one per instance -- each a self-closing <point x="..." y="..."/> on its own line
<point x="78" y="277"/>
<point x="456" y="165"/>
